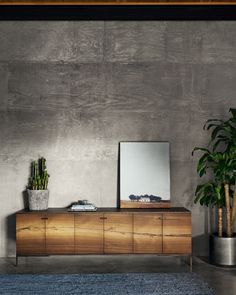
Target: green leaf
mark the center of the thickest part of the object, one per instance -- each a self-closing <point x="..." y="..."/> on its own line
<point x="233" y="112"/>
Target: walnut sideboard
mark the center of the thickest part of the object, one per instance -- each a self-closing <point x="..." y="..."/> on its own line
<point x="166" y="231"/>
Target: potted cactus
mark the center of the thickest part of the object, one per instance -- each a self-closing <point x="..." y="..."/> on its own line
<point x="37" y="188"/>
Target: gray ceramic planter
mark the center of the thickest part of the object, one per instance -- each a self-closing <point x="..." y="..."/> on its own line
<point x="223" y="250"/>
<point x="38" y="199"/>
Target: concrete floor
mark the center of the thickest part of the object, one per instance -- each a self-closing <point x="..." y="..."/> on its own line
<point x="220" y="279"/>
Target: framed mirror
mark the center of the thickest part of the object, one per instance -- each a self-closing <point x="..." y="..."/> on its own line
<point x="144" y="175"/>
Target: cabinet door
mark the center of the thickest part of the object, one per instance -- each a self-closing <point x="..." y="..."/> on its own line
<point x="147" y="233"/>
<point x="30" y="234"/>
<point x="118" y="236"/>
<point x="60" y="233"/>
<point x="177" y="231"/>
<point x="89" y="233"/>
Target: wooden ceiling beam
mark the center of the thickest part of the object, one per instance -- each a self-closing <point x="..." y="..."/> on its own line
<point x="118" y="2"/>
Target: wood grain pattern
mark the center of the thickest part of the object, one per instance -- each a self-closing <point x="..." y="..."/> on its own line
<point x="89" y="233"/>
<point x="147" y="233"/>
<point x="177" y="224"/>
<point x="177" y="245"/>
<point x="33" y="250"/>
<point x="117" y="2"/>
<point x="177" y="230"/>
<point x="60" y="234"/>
<point x="129" y="204"/>
<point x="60" y="249"/>
<point x="30" y="234"/>
<point x="116" y="232"/>
<point x="118" y="236"/>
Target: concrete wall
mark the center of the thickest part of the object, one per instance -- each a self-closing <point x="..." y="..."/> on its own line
<point x="70" y="91"/>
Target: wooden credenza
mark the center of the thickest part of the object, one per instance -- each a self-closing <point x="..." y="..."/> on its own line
<point x="106" y="231"/>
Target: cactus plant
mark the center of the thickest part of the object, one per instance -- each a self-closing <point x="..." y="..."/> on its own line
<point x="39" y="175"/>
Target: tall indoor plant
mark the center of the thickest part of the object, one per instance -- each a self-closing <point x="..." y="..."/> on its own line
<point x="37" y="187"/>
<point x="220" y="160"/>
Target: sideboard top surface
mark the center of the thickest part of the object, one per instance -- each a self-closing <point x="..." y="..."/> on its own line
<point x="110" y="210"/>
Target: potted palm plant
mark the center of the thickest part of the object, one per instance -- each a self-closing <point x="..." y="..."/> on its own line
<point x="37" y="188"/>
<point x="220" y="160"/>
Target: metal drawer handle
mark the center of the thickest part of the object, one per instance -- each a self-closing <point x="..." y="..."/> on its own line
<point x="44" y="217"/>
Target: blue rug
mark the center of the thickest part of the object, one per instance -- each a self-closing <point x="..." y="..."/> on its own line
<point x="105" y="284"/>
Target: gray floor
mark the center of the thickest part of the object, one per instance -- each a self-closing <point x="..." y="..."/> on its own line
<point x="222" y="280"/>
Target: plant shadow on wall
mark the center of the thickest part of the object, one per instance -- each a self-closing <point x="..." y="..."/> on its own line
<point x="219" y="160"/>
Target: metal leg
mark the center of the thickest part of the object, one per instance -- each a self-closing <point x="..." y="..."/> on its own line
<point x="191" y="263"/>
<point x="16" y="261"/>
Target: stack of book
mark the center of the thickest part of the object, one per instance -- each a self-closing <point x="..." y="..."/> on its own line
<point x="83" y="206"/>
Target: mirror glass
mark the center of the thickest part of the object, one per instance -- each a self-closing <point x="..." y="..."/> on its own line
<point x="144" y="174"/>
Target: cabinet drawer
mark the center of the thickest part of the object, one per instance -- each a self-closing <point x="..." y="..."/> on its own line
<point x="147" y="236"/>
<point x="118" y="233"/>
<point x="118" y="222"/>
<point x="147" y="244"/>
<point x="148" y="224"/>
<point x="60" y="234"/>
<point x="60" y="220"/>
<point x="30" y="234"/>
<point x="177" y="224"/>
<point x="89" y="233"/>
<point x="177" y="245"/>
